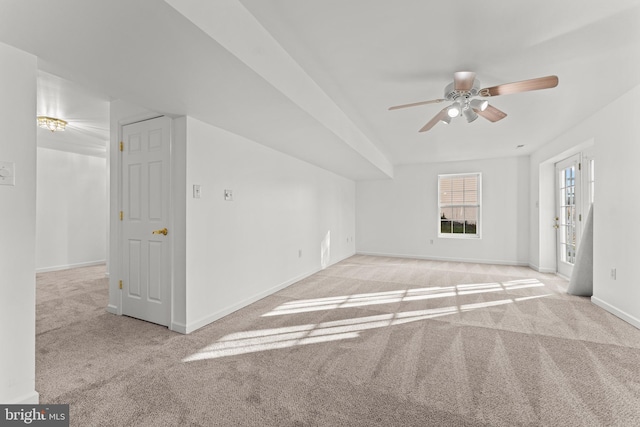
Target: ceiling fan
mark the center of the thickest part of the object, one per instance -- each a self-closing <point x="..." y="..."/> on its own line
<point x="465" y="86"/>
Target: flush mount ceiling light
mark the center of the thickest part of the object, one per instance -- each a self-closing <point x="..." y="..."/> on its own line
<point x="51" y="123"/>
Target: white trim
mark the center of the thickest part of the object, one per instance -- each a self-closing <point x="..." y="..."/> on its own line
<point x="131" y="120"/>
<point x="70" y="266"/>
<point x="32" y="398"/>
<point x="432" y="258"/>
<point x="178" y="327"/>
<point x="574" y="161"/>
<point x="541" y="270"/>
<point x="115" y="199"/>
<point x="192" y="326"/>
<point x="616" y="312"/>
<point x="478" y="234"/>
<point x="546" y="208"/>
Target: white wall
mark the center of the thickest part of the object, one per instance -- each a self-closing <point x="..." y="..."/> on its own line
<point x="18" y="227"/>
<point x="399" y="217"/>
<point x="615" y="131"/>
<point x="241" y="250"/>
<point x="71" y="210"/>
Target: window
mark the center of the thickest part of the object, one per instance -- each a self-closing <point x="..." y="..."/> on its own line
<point x="459" y="201"/>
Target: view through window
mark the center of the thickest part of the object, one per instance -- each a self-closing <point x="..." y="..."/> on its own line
<point x="459" y="205"/>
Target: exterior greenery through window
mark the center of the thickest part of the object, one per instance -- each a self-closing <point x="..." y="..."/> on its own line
<point x="459" y="205"/>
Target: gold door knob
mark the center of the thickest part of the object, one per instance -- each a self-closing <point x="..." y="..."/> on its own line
<point x="163" y="231"/>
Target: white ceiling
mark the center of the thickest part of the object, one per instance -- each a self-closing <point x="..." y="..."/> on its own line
<point x="369" y="55"/>
<point x="366" y="55"/>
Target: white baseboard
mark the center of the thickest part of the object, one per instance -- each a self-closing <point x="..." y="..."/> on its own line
<point x="616" y="312"/>
<point x="178" y="327"/>
<point x="192" y="326"/>
<point x="32" y="398"/>
<point x="112" y="309"/>
<point x="70" y="266"/>
<point x="174" y="326"/>
<point x="434" y="258"/>
<point x="541" y="270"/>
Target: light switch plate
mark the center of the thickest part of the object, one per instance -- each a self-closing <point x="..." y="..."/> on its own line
<point x="196" y="191"/>
<point x="228" y="195"/>
<point x="7" y="173"/>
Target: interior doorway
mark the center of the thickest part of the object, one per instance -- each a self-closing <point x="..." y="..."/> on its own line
<point x="71" y="176"/>
<point x="145" y="234"/>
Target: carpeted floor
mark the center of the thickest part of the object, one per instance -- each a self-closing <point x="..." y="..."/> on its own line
<point x="370" y="341"/>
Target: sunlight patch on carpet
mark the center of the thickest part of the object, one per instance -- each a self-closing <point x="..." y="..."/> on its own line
<point x="291" y="336"/>
<point x="361" y="300"/>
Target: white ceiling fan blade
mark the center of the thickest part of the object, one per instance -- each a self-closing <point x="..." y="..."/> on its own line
<point x="463" y="80"/>
<point x="415" y="104"/>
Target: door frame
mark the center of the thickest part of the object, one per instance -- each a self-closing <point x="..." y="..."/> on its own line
<point x="116" y="230"/>
<point x="587" y="156"/>
<point x="575" y="159"/>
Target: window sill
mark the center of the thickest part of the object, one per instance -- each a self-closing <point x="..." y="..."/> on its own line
<point x="460" y="236"/>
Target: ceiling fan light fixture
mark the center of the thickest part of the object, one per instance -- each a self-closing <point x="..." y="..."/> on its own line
<point x="454" y="110"/>
<point x="469" y="114"/>
<point x="479" y="104"/>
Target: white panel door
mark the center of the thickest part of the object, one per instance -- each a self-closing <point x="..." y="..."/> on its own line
<point x="146" y="241"/>
<point x="568" y="213"/>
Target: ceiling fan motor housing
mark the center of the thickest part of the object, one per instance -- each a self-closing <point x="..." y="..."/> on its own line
<point x="461" y="98"/>
<point x="451" y="94"/>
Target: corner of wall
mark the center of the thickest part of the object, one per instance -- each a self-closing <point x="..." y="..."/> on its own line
<point x="18" y="227"/>
<point x="219" y="314"/>
<point x="179" y="218"/>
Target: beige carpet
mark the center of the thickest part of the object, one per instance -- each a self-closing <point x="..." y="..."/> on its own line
<point x="370" y="341"/>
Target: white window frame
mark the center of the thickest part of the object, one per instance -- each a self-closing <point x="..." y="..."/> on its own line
<point x="478" y="234"/>
<point x="588" y="166"/>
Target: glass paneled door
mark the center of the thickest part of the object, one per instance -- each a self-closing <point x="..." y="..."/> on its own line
<point x="568" y="213"/>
